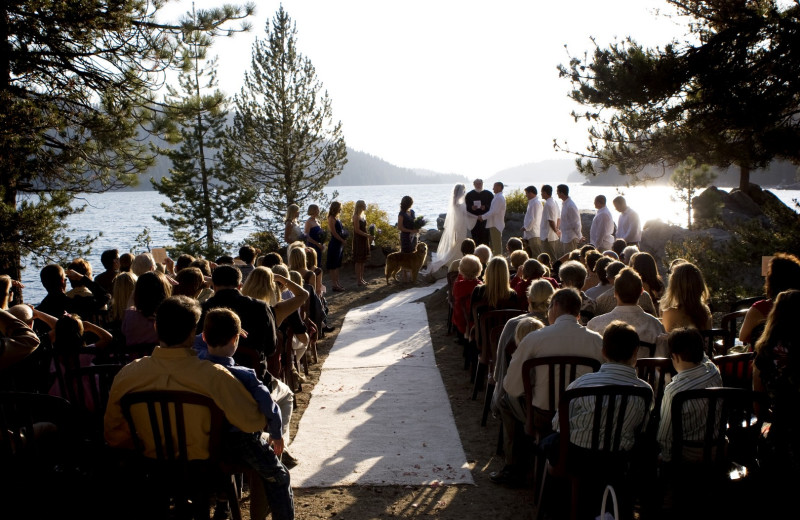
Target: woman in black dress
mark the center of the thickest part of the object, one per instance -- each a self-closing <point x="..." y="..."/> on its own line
<point x="408" y="235"/>
<point x="335" y="245"/>
<point x="360" y="240"/>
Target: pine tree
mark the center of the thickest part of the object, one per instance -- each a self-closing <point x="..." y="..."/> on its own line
<point x="284" y="138"/>
<point x="727" y="94"/>
<point x="688" y="180"/>
<point x="76" y="86"/>
<point x="207" y="199"/>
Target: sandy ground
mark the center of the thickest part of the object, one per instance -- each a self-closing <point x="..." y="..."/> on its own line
<point x="463" y="502"/>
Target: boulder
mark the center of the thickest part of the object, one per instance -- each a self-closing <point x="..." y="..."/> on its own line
<point x="376" y="258"/>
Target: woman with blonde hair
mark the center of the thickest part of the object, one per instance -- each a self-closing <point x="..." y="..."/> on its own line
<point x="360" y="240"/>
<point x="684" y="302"/>
<point x="539" y="294"/>
<point x="292" y="231"/>
<point x="297" y="262"/>
<point x="335" y="245"/>
<point x="644" y="264"/>
<point x="121" y="295"/>
<point x="260" y="284"/>
<point x="495" y="293"/>
<point x="312" y="264"/>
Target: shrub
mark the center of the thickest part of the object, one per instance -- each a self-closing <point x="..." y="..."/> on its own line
<point x="264" y="242"/>
<point x="516" y="201"/>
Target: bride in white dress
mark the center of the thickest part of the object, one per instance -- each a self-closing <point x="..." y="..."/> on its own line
<point x="457" y="224"/>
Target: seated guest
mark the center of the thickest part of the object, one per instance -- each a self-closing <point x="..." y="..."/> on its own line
<point x="618" y="246"/>
<point x="467" y="248"/>
<point x="495" y="293"/>
<point x="538" y="297"/>
<point x="684" y="302"/>
<point x="783" y="273"/>
<point x="628" y="253"/>
<point x="515" y="262"/>
<point x="484" y="254"/>
<point x="573" y="274"/>
<point x="695" y="370"/>
<point x="218" y="342"/>
<point x="183" y="262"/>
<point x="190" y="282"/>
<point x="110" y="261"/>
<point x="469" y="268"/>
<point x="564" y="337"/>
<point x="17" y="340"/>
<point x="514" y="244"/>
<point x="151" y="289"/>
<point x="645" y="265"/>
<point x="607" y="301"/>
<point x="603" y="284"/>
<point x="125" y="262"/>
<point x="86" y="301"/>
<point x="590" y="261"/>
<point x="628" y="288"/>
<point x="247" y="254"/>
<point x="527" y="273"/>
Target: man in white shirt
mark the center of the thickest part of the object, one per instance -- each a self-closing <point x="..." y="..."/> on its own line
<point x="629" y="227"/>
<point x="496" y="219"/>
<point x="601" y="234"/>
<point x="531" y="225"/>
<point x="570" y="221"/>
<point x="627" y="290"/>
<point x="548" y="230"/>
<point x="564" y="337"/>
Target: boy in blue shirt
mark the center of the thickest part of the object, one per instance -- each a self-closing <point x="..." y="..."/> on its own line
<point x="218" y="342"/>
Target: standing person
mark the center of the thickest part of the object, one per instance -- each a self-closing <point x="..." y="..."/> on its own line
<point x="629" y="227"/>
<point x="570" y="225"/>
<point x="292" y="231"/>
<point x="601" y="234"/>
<point x="456" y="224"/>
<point x="548" y="232"/>
<point x="335" y="244"/>
<point x="313" y="231"/>
<point x="360" y="241"/>
<point x="478" y="201"/>
<point x="408" y="234"/>
<point x="532" y="223"/>
<point x="496" y="219"/>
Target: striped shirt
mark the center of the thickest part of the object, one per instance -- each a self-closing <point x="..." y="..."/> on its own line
<point x="695" y="411"/>
<point x="581" y="410"/>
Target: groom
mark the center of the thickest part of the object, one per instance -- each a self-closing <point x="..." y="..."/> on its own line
<point x="478" y="202"/>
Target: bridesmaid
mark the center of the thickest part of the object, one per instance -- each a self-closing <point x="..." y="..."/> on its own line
<point x="360" y="240"/>
<point x="313" y="231"/>
<point x="335" y="245"/>
<point x="408" y="235"/>
<point x="292" y="231"/>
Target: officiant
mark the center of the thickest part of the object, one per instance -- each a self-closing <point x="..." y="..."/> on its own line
<point x="478" y="202"/>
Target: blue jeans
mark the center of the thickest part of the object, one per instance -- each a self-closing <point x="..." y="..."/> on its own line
<point x="252" y="450"/>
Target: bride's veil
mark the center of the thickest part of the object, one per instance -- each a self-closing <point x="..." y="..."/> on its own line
<point x="455" y="230"/>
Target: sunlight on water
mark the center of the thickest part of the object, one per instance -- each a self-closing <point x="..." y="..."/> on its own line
<point x="121" y="216"/>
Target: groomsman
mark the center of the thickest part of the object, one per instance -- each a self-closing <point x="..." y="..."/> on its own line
<point x="478" y="201"/>
<point x="548" y="232"/>
<point x="570" y="225"/>
<point x="496" y="219"/>
<point x="531" y="225"/>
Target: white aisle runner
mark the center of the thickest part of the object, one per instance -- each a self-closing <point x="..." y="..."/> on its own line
<point x="380" y="414"/>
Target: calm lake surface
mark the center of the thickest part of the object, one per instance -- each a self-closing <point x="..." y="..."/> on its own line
<point x="121" y="216"/>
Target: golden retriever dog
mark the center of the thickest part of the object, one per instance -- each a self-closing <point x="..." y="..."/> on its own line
<point x="411" y="261"/>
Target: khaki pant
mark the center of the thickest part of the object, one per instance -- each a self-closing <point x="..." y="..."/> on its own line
<point x="549" y="247"/>
<point x="534" y="247"/>
<point x="567" y="247"/>
<point x="497" y="241"/>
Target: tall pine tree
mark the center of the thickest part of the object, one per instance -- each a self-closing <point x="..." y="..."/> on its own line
<point x="207" y="199"/>
<point x="76" y="84"/>
<point x="284" y="137"/>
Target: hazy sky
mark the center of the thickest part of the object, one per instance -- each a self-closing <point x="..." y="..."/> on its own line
<point x="454" y="86"/>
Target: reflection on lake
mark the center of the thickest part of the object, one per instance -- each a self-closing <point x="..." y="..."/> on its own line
<point x="121" y="216"/>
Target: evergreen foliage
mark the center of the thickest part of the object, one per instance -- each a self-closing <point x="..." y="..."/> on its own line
<point x="726" y="95"/>
<point x="76" y="85"/>
<point x="283" y="137"/>
<point x="516" y="201"/>
<point x="687" y="180"/>
<point x="206" y="198"/>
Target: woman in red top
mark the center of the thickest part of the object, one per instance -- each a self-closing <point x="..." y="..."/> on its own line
<point x="468" y="270"/>
<point x="783" y="274"/>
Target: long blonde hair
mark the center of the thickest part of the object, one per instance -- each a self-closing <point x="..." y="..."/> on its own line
<point x="121" y="292"/>
<point x="260" y="284"/>
<point x="496" y="280"/>
<point x="687" y="290"/>
<point x="292" y="213"/>
<point x="297" y="259"/>
<point x="360" y="208"/>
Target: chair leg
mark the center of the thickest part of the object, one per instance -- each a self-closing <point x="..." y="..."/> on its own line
<point x="500" y="450"/>
<point x="487" y="402"/>
<point x="234" y="495"/>
<point x="540" y="509"/>
<point x="481" y="372"/>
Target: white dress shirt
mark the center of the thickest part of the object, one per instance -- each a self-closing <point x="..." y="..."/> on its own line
<point x="570" y="221"/>
<point x="533" y="219"/>
<point x="496" y="216"/>
<point x="550" y="212"/>
<point x="647" y="326"/>
<point x="629" y="227"/>
<point x="565" y="337"/>
<point x="601" y="234"/>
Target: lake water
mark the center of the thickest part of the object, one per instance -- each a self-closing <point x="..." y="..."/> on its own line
<point x="121" y="216"/>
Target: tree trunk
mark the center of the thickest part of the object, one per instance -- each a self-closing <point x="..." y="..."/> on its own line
<point x="744" y="177"/>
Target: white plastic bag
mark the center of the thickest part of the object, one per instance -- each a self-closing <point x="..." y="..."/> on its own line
<point x="605" y="515"/>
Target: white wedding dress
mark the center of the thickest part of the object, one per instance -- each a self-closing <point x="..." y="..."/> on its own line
<point x="457" y="224"/>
